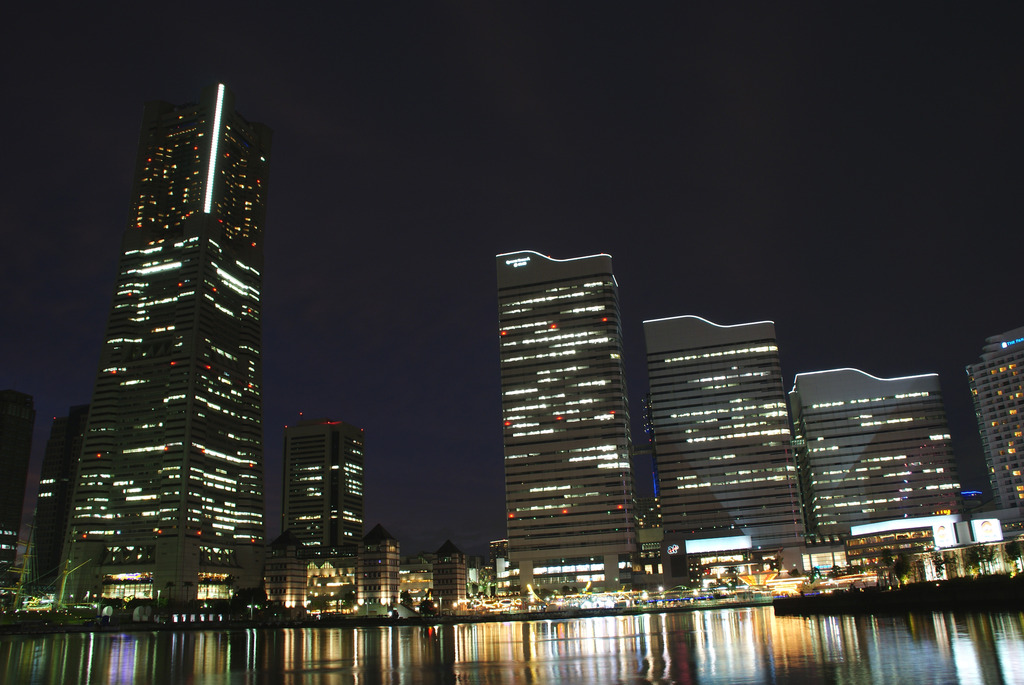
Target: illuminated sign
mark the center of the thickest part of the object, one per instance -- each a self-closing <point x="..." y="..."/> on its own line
<point x="986" y="530"/>
<point x="933" y="522"/>
<point x="672" y="549"/>
<point x="1007" y="344"/>
<point x="517" y="262"/>
<point x="943" y="535"/>
<point x="718" y="544"/>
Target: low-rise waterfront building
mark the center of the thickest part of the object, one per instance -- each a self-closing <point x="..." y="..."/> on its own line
<point x="377" y="575"/>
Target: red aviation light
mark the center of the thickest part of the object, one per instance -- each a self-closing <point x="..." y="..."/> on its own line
<point x="504" y="332"/>
<point x="619" y="507"/>
<point x="565" y="511"/>
<point x="511" y="516"/>
<point x="558" y="418"/>
<point x="554" y="326"/>
<point x="508" y="423"/>
<point x="98" y="455"/>
<point x="604" y="318"/>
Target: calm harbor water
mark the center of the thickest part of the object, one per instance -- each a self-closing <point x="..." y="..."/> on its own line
<point x="722" y="646"/>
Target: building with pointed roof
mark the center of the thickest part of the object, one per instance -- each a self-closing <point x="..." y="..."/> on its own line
<point x="449" y="577"/>
<point x="284" y="575"/>
<point x="377" y="570"/>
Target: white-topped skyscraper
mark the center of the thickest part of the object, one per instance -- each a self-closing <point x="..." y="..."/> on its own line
<point x="997" y="385"/>
<point x="169" y="493"/>
<point x="568" y="476"/>
<point x="871" y="449"/>
<point x="721" y="432"/>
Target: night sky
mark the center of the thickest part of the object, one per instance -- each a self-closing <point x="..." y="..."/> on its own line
<point x="852" y="173"/>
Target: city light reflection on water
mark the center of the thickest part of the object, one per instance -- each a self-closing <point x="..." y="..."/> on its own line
<point x="727" y="646"/>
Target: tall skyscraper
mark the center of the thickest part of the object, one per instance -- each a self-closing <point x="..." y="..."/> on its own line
<point x="871" y="449"/>
<point x="322" y="503"/>
<point x="721" y="432"/>
<point x="170" y="484"/>
<point x="998" y="391"/>
<point x="56" y="484"/>
<point x="568" y="476"/>
<point x="17" y="418"/>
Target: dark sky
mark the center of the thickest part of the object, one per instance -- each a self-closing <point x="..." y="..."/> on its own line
<point x="850" y="171"/>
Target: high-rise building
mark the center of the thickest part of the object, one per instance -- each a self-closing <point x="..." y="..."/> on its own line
<point x="568" y="476"/>
<point x="721" y="432"/>
<point x="56" y="483"/>
<point x="322" y="503"/>
<point x="17" y="418"/>
<point x="871" y="449"/>
<point x="170" y="482"/>
<point x="998" y="390"/>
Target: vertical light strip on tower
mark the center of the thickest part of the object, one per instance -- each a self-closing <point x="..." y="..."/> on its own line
<point x="213" y="149"/>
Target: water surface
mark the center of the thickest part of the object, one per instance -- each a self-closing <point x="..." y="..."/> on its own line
<point x="718" y="646"/>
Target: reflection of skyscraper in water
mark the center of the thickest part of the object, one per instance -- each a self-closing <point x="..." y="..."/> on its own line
<point x="169" y="494"/>
<point x="568" y="477"/>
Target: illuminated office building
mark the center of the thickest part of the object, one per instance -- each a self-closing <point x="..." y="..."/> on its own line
<point x="721" y="432"/>
<point x="322" y="502"/>
<point x="17" y="418"/>
<point x="56" y="483"/>
<point x="170" y="486"/>
<point x="998" y="390"/>
<point x="871" y="449"/>
<point x="568" y="477"/>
